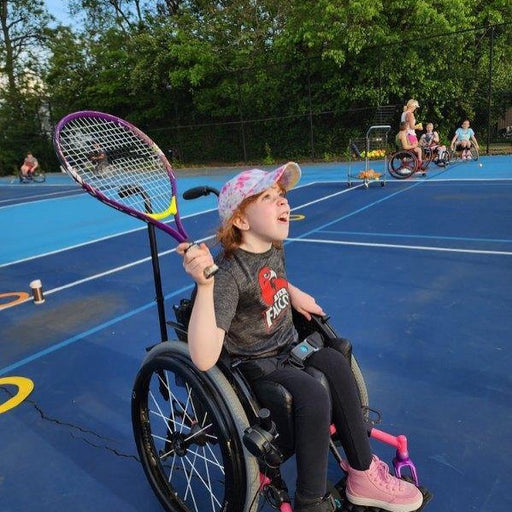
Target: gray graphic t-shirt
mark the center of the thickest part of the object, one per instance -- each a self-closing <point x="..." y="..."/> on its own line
<point x="252" y="303"/>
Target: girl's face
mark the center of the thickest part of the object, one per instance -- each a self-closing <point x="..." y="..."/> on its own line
<point x="465" y="125"/>
<point x="265" y="220"/>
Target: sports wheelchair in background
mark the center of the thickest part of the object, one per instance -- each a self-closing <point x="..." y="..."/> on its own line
<point x="464" y="154"/>
<point x="405" y="163"/>
<point x="36" y="176"/>
<point x="207" y="445"/>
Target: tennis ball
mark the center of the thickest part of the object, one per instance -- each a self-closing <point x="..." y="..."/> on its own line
<point x="480" y="165"/>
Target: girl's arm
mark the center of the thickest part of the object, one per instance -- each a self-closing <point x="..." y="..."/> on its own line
<point x="205" y="339"/>
<point x="303" y="302"/>
<point x="405" y="142"/>
<point x="410" y="120"/>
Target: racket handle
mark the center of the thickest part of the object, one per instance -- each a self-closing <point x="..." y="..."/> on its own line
<point x="208" y="271"/>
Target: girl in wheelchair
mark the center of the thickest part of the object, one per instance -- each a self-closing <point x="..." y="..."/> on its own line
<point x="430" y="141"/>
<point x="246" y="307"/>
<point x="404" y="142"/>
<point x="463" y="140"/>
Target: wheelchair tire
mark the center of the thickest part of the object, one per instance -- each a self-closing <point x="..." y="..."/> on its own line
<point x="402" y="165"/>
<point x="474" y="153"/>
<point x="188" y="428"/>
<point x="361" y="386"/>
<point x="38" y="176"/>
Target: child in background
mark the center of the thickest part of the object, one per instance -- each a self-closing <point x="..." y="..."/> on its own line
<point x="463" y="138"/>
<point x="403" y="141"/>
<point x="430" y="140"/>
<point x="246" y="307"/>
<point x="30" y="164"/>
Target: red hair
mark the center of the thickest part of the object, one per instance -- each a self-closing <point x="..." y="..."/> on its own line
<point x="229" y="236"/>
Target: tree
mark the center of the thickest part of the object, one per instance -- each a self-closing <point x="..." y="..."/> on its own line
<point x="24" y="28"/>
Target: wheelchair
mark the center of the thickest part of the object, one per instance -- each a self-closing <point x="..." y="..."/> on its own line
<point x="404" y="163"/>
<point x="207" y="445"/>
<point x="36" y="176"/>
<point x="472" y="154"/>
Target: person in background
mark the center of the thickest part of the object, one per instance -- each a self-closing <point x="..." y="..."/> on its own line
<point x="403" y="141"/>
<point x="99" y="158"/>
<point x="462" y="140"/>
<point x="246" y="308"/>
<point x="30" y="164"/>
<point x="430" y="140"/>
<point x="409" y="118"/>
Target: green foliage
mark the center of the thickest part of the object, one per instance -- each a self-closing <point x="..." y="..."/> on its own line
<point x="266" y="81"/>
<point x="268" y="160"/>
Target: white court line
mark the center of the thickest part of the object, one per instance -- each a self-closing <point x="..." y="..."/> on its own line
<point x="134" y="263"/>
<point x="40" y="197"/>
<point x="323" y="198"/>
<point x="89" y="242"/>
<point x="133" y="230"/>
<point x="397" y="246"/>
<point x="101" y="274"/>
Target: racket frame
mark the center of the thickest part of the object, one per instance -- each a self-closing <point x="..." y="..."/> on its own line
<point x="179" y="234"/>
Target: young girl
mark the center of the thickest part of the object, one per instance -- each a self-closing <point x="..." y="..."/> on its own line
<point x="403" y="141"/>
<point x="463" y="138"/>
<point x="246" y="307"/>
<point x="430" y="139"/>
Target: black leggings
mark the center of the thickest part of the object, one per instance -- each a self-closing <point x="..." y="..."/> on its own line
<point x="312" y="418"/>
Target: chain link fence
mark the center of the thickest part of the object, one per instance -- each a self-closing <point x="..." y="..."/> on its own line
<point x="306" y="110"/>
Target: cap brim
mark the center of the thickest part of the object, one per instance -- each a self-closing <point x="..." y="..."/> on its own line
<point x="288" y="175"/>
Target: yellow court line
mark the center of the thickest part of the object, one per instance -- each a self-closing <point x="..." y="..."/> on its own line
<point x="20" y="297"/>
<point x="25" y="387"/>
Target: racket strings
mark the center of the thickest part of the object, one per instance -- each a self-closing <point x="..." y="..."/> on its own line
<point x="124" y="166"/>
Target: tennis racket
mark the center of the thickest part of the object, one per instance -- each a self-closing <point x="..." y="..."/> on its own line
<point x="122" y="167"/>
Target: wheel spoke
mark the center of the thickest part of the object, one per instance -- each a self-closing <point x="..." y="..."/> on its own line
<point x="207" y="485"/>
<point x="185" y="427"/>
<point x="212" y="460"/>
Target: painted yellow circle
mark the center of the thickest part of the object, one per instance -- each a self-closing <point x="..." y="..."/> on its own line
<point x="297" y="216"/>
<point x="25" y="387"/>
<point x="20" y="297"/>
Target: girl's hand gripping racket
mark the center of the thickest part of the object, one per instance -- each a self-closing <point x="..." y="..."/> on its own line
<point x="122" y="167"/>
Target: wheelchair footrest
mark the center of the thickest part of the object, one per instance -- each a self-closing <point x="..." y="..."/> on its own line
<point x="343" y="505"/>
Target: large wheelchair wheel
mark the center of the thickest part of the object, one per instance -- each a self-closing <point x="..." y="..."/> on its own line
<point x="188" y="427"/>
<point x="403" y="164"/>
<point x="474" y="152"/>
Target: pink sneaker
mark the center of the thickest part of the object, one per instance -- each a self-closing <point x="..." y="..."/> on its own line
<point x="375" y="487"/>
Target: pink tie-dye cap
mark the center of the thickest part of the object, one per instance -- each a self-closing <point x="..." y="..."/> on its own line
<point x="253" y="182"/>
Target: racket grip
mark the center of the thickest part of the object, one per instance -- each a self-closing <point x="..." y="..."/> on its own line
<point x="208" y="271"/>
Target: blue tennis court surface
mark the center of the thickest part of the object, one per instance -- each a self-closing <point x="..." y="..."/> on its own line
<point x="417" y="274"/>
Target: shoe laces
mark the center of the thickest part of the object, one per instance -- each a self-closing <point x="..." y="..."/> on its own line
<point x="381" y="470"/>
